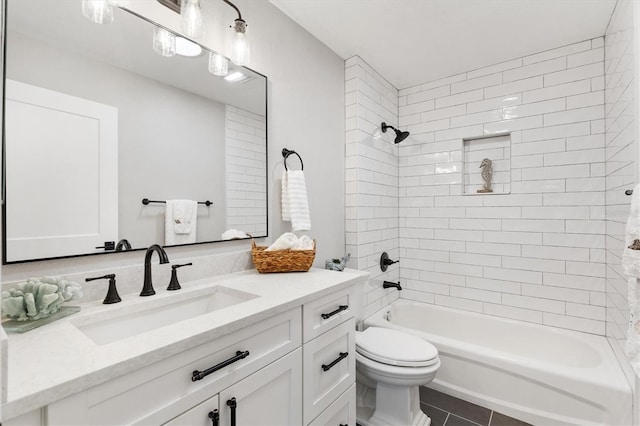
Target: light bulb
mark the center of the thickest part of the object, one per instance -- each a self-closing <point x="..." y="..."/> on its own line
<point x="192" y="24"/>
<point x="164" y="42"/>
<point x="98" y="11"/>
<point x="218" y="64"/>
<point x="241" y="52"/>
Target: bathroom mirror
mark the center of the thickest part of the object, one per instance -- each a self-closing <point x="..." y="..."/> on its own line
<point x="96" y="120"/>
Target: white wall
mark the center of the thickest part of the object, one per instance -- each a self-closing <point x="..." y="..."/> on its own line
<point x="306" y="113"/>
<point x="371" y="179"/>
<point x="621" y="155"/>
<point x="536" y="254"/>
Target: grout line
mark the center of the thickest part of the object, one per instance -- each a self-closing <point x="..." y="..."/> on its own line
<point x="446" y="418"/>
<point x="490" y="418"/>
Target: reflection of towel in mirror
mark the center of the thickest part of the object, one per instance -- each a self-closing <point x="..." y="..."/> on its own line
<point x="180" y="220"/>
<point x="631" y="268"/>
<point x="295" y="206"/>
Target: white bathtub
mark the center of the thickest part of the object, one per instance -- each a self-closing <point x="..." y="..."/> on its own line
<point x="539" y="374"/>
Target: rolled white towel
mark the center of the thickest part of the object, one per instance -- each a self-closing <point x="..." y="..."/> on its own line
<point x="231" y="234"/>
<point x="304" y="243"/>
<point x="285" y="241"/>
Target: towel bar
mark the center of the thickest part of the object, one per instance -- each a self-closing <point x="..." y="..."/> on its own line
<point x="147" y="201"/>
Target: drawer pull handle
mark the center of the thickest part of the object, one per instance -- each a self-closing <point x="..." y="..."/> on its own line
<point x="337" y="311"/>
<point x="215" y="417"/>
<point x="199" y="375"/>
<point x="232" y="405"/>
<point x="343" y="424"/>
<point x="327" y="367"/>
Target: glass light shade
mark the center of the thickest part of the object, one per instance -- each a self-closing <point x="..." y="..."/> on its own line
<point x="192" y="22"/>
<point x="164" y="43"/>
<point x="98" y="11"/>
<point x="218" y="64"/>
<point x="241" y="52"/>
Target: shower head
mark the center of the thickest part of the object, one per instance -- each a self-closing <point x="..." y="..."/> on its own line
<point x="400" y="136"/>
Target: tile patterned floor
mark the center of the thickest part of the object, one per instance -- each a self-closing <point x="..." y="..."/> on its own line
<point x="446" y="410"/>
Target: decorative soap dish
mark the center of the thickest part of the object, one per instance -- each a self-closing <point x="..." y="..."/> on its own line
<point x="15" y="326"/>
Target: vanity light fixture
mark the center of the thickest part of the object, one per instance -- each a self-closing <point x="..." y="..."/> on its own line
<point x="240" y="50"/>
<point x="164" y="42"/>
<point x="192" y="21"/>
<point x="218" y="64"/>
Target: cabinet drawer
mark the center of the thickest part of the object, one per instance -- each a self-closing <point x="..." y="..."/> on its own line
<point x="198" y="415"/>
<point x="341" y="412"/>
<point x="325" y="313"/>
<point x="158" y="392"/>
<point x="329" y="368"/>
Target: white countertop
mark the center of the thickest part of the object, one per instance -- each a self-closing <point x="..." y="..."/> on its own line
<point x="58" y="360"/>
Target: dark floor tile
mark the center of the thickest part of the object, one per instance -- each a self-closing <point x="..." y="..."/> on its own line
<point x="438" y="417"/>
<point x="501" y="420"/>
<point x="454" y="420"/>
<point x="456" y="406"/>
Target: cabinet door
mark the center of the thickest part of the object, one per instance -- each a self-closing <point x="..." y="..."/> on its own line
<point x="271" y="396"/>
<point x="201" y="415"/>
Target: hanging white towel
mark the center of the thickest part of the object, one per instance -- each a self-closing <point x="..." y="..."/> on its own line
<point x="180" y="222"/>
<point x="631" y="268"/>
<point x="295" y="206"/>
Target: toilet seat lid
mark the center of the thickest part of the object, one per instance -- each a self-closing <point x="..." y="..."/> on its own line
<point x="394" y="347"/>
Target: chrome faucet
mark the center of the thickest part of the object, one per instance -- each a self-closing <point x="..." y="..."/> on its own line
<point x="147" y="288"/>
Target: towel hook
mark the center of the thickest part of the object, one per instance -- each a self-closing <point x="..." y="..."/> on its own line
<point x="286" y="153"/>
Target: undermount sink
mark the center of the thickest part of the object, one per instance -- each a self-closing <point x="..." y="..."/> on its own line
<point x="158" y="313"/>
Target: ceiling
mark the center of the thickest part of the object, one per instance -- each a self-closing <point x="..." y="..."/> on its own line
<point x="416" y="41"/>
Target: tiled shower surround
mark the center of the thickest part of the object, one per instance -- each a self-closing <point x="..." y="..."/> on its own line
<point x="621" y="169"/>
<point x="535" y="254"/>
<point x="371" y="175"/>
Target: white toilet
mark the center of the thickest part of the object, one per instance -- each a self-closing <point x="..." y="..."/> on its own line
<point x="390" y="366"/>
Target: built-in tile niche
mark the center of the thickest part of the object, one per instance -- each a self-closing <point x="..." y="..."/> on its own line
<point x="496" y="148"/>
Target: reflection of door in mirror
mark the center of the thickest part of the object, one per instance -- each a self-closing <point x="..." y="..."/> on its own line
<point x="62" y="181"/>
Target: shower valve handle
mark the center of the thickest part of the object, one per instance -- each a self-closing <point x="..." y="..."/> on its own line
<point x="385" y="261"/>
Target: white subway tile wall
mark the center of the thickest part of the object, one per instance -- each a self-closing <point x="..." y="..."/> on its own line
<point x="536" y="254"/>
<point x="371" y="217"/>
<point x="620" y="173"/>
<point x="245" y="150"/>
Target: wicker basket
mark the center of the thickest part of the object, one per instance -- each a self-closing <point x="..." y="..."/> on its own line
<point x="282" y="260"/>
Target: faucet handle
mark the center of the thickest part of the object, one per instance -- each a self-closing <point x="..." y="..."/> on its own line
<point x="174" y="284"/>
<point x="112" y="294"/>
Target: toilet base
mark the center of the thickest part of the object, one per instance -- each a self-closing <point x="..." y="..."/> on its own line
<point x="389" y="405"/>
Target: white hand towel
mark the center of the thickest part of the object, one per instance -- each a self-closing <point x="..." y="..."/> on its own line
<point x="295" y="205"/>
<point x="285" y="241"/>
<point x="304" y="243"/>
<point x="180" y="222"/>
<point x="631" y="267"/>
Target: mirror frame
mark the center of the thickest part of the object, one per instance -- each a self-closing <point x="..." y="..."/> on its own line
<point x="3" y="53"/>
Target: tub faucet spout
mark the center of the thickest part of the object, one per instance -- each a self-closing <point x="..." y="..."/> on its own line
<point x="389" y="284"/>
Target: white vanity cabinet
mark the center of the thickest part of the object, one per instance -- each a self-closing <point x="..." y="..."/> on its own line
<point x="299" y="369"/>
<point x="329" y="358"/>
<point x="158" y="393"/>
